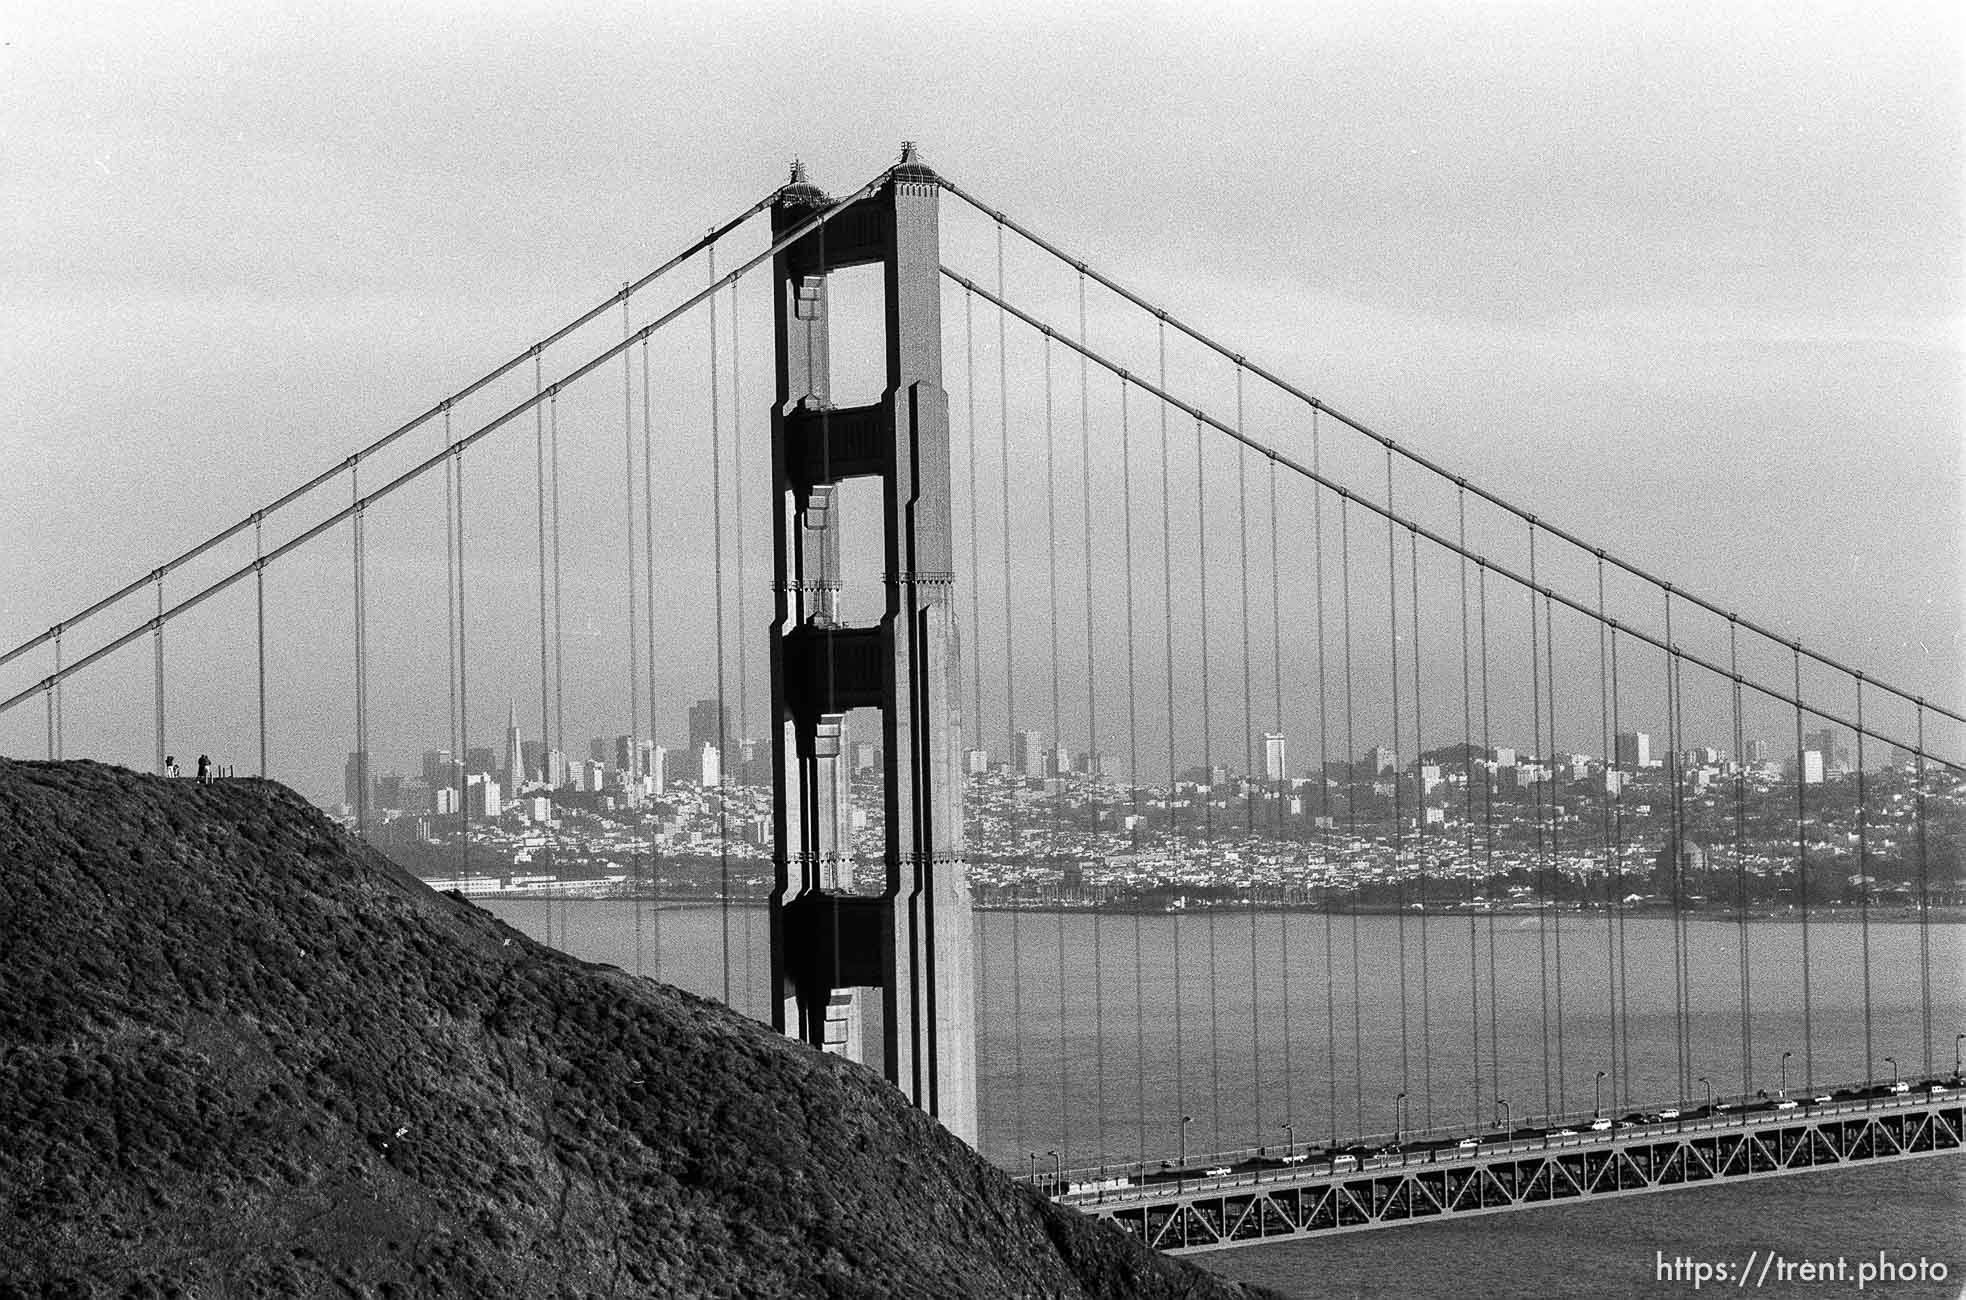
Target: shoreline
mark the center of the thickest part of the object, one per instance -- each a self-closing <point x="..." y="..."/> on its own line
<point x="1950" y="915"/>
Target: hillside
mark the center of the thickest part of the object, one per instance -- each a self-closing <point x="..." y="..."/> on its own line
<point x="242" y="1055"/>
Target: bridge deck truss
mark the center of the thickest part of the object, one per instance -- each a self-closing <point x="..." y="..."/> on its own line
<point x="1215" y="1214"/>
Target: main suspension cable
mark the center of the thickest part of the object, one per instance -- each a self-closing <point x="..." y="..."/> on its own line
<point x="441" y="408"/>
<point x="1317" y="405"/>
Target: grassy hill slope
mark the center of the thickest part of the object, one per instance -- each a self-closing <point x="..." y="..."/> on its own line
<point x="241" y="1054"/>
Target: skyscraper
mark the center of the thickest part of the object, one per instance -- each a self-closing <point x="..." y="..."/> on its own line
<point x="1027" y="754"/>
<point x="355" y="781"/>
<point x="707" y="726"/>
<point x="1275" y="768"/>
<point x="1634" y="749"/>
<point x="515" y="752"/>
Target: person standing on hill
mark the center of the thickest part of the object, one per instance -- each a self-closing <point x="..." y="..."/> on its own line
<point x="170" y="765"/>
<point x="204" y="769"/>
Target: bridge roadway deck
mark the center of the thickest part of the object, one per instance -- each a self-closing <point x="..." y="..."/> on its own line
<point x="1214" y="1213"/>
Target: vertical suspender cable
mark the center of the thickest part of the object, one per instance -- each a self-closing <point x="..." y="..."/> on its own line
<point x="1420" y="847"/>
<point x="1924" y="902"/>
<point x="454" y="776"/>
<point x="1057" y="735"/>
<point x="1618" y="886"/>
<point x="559" y="628"/>
<point x="361" y="658"/>
<point x="1607" y="794"/>
<point x="631" y="778"/>
<point x="157" y="647"/>
<point x="1248" y="782"/>
<point x="463" y="672"/>
<point x="737" y="506"/>
<point x="1278" y="788"/>
<point x="1556" y="861"/>
<point x="744" y="642"/>
<point x="972" y="651"/>
<point x="1351" y="814"/>
<point x="1399" y="806"/>
<point x="259" y="616"/>
<point x="1863" y="878"/>
<point x="975" y="565"/>
<point x="653" y="775"/>
<point x="654" y="883"/>
<point x="1010" y="685"/>
<point x="1324" y="793"/>
<point x="1173" y="784"/>
<point x="1094" y="774"/>
<point x="1467" y="839"/>
<point x="1133" y="768"/>
<point x="1676" y="847"/>
<point x="539" y="498"/>
<point x="1208" y="795"/>
<point x="717" y="562"/>
<point x="1802" y="885"/>
<point x="1741" y="859"/>
<point x="1536" y="794"/>
<point x="1488" y="840"/>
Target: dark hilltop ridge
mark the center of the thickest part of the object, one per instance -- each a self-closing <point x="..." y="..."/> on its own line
<point x="243" y="1055"/>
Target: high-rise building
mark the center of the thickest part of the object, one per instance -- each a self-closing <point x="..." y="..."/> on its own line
<point x="976" y="761"/>
<point x="515" y="750"/>
<point x="707" y="726"/>
<point x="709" y="769"/>
<point x="1027" y="754"/>
<point x="1757" y="751"/>
<point x="1275" y="767"/>
<point x="593" y="775"/>
<point x="555" y="766"/>
<point x="437" y="768"/>
<point x="1060" y="759"/>
<point x="1634" y="749"/>
<point x="866" y="756"/>
<point x="355" y="780"/>
<point x="479" y="759"/>
<point x="599" y="748"/>
<point x="1381" y="760"/>
<point x="1812" y="767"/>
<point x="481" y="796"/>
<point x="658" y="769"/>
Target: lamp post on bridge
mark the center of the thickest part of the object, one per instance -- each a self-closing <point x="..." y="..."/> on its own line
<point x="1785" y="1074"/>
<point x="1181" y="1169"/>
<point x="1508" y="1118"/>
<point x="1034" y="1167"/>
<point x="1703" y="1079"/>
<point x="1058" y="1174"/>
<point x="1892" y="1061"/>
<point x="1597" y="1108"/>
<point x="1399" y="1107"/>
<point x="1957" y="1039"/>
<point x="1290" y="1136"/>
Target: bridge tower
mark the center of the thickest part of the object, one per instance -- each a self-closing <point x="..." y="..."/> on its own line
<point x="842" y="959"/>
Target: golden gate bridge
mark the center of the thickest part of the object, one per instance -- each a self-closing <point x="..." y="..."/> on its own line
<point x="1011" y="501"/>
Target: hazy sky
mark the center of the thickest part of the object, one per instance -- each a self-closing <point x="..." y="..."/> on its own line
<point x="1684" y="277"/>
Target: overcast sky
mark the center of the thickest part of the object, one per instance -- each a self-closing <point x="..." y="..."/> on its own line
<point x="1685" y="277"/>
